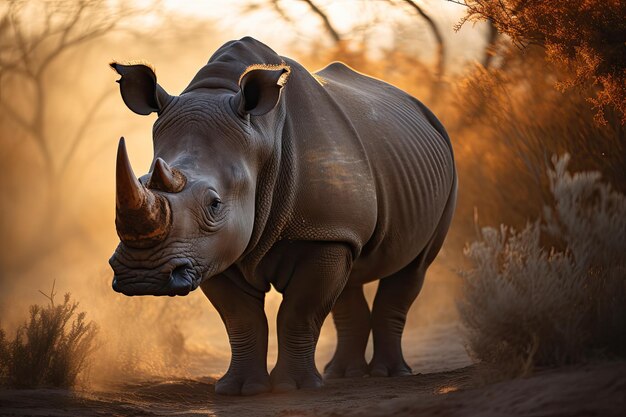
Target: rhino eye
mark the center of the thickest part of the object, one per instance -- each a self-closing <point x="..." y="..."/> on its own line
<point x="216" y="204"/>
<point x="213" y="208"/>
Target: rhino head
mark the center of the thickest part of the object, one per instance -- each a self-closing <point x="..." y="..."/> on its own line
<point x="192" y="215"/>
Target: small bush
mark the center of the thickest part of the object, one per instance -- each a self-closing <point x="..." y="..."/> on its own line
<point x="50" y="349"/>
<point x="525" y="306"/>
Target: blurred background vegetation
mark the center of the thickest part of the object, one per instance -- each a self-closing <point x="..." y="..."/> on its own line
<point x="513" y="81"/>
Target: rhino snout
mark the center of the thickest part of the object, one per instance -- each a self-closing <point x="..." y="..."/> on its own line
<point x="176" y="277"/>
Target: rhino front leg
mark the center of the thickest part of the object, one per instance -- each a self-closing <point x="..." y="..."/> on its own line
<point x="246" y="325"/>
<point x="319" y="275"/>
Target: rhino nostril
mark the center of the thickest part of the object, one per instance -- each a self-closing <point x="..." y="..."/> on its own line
<point x="182" y="280"/>
<point x="181" y="271"/>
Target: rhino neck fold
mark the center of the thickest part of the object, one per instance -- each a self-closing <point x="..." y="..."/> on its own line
<point x="274" y="199"/>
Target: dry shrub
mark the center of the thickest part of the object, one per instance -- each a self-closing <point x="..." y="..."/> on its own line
<point x="510" y="120"/>
<point x="525" y="306"/>
<point x="52" y="348"/>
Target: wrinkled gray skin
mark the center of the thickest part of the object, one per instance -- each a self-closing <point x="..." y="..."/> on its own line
<point x="333" y="182"/>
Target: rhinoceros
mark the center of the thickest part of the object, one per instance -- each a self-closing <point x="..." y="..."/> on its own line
<point x="267" y="175"/>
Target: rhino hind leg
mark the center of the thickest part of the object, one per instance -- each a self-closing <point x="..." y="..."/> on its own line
<point x="320" y="273"/>
<point x="394" y="297"/>
<point x="246" y="325"/>
<point x="351" y="316"/>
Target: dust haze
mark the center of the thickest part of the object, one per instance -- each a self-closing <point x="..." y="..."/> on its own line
<point x="530" y="280"/>
<point x="60" y="121"/>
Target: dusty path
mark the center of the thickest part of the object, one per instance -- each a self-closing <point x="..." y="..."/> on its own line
<point x="580" y="391"/>
<point x="590" y="390"/>
<point x="196" y="397"/>
<point x="446" y="385"/>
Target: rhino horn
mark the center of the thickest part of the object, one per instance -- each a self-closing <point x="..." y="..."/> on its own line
<point x="129" y="191"/>
<point x="164" y="178"/>
<point x="142" y="218"/>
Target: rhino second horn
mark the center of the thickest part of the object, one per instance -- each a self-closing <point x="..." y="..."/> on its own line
<point x="142" y="218"/>
<point x="166" y="179"/>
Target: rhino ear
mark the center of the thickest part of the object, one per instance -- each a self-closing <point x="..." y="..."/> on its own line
<point x="259" y="89"/>
<point x="139" y="88"/>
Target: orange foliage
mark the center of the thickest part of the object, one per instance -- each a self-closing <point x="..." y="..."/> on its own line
<point x="588" y="36"/>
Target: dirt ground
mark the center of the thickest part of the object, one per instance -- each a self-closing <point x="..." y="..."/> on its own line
<point x="446" y="385"/>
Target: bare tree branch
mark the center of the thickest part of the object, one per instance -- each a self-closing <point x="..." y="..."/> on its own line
<point x="19" y="119"/>
<point x="65" y="42"/>
<point x="281" y="12"/>
<point x="492" y="37"/>
<point x="52" y="293"/>
<point x="17" y="33"/>
<point x="441" y="51"/>
<point x="79" y="136"/>
<point x="327" y="25"/>
<point x="460" y="3"/>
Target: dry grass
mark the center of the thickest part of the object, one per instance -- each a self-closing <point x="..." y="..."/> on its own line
<point x="526" y="306"/>
<point x="52" y="348"/>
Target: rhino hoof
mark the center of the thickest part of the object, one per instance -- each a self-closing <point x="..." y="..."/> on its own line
<point x="333" y="371"/>
<point x="254" y="388"/>
<point x="284" y="387"/>
<point x="243" y="386"/>
<point x="382" y="370"/>
<point x="283" y="382"/>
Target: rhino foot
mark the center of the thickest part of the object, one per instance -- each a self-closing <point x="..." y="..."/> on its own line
<point x="382" y="368"/>
<point x="345" y="369"/>
<point x="231" y="384"/>
<point x="284" y="381"/>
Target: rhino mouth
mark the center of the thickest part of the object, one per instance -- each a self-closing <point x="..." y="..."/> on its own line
<point x="176" y="277"/>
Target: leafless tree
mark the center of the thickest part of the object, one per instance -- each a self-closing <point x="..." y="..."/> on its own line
<point x="28" y="48"/>
<point x="35" y="37"/>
